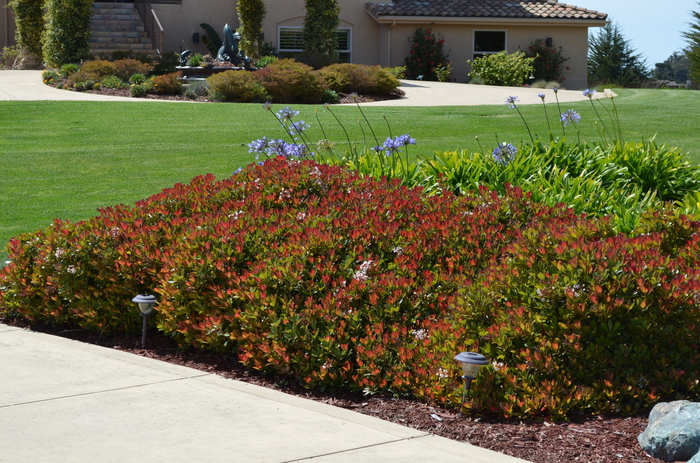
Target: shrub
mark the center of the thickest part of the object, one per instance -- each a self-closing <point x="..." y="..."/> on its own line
<point x="100" y="68"/>
<point x="287" y="81"/>
<point x="426" y="55"/>
<point x="139" y="90"/>
<point x="548" y="61"/>
<point x="503" y="69"/>
<point x="68" y="69"/>
<point x="343" y="281"/>
<point x="49" y="77"/>
<point x="29" y="19"/>
<point x="398" y="71"/>
<point x="85" y="85"/>
<point x="315" y="59"/>
<point x="196" y="89"/>
<point x="137" y="79"/>
<point x="168" y="84"/>
<point x="195" y="60"/>
<point x="443" y="73"/>
<point x="237" y="86"/>
<point x="264" y="61"/>
<point x="359" y="78"/>
<point x="167" y="64"/>
<point x="125" y="68"/>
<point x="580" y="320"/>
<point x="81" y="77"/>
<point x="67" y="35"/>
<point x="113" y="82"/>
<point x="9" y="57"/>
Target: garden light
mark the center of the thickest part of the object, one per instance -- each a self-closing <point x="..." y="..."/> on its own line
<point x="470" y="362"/>
<point x="145" y="303"/>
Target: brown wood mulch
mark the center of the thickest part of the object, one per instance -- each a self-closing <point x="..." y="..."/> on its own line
<point x="344" y="97"/>
<point x="594" y="440"/>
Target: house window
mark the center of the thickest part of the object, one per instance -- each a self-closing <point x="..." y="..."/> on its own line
<point x="291" y="42"/>
<point x="488" y="42"/>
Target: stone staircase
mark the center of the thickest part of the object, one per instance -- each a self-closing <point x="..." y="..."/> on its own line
<point x="118" y="26"/>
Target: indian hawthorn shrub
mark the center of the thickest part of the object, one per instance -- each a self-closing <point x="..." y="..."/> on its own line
<point x="288" y="81"/>
<point x="100" y="67"/>
<point x="167" y="84"/>
<point x="310" y="270"/>
<point x="125" y="68"/>
<point x="238" y="86"/>
<point x="359" y="78"/>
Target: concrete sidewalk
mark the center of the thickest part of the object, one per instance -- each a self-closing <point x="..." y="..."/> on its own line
<point x="65" y="401"/>
<point x="27" y="86"/>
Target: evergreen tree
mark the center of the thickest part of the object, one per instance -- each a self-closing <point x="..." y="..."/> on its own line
<point x="320" y="26"/>
<point x="675" y="68"/>
<point x="693" y="51"/>
<point x="611" y="59"/>
<point x="250" y="18"/>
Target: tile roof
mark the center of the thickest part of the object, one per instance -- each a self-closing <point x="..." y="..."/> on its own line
<point x="542" y="9"/>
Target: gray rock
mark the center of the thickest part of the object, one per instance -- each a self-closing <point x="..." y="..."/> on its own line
<point x="673" y="432"/>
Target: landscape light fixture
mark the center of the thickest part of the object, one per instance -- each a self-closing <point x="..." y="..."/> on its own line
<point x="145" y="303"/>
<point x="471" y="362"/>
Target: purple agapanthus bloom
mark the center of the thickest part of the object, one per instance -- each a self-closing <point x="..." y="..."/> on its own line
<point x="286" y="114"/>
<point x="511" y="100"/>
<point x="541" y="95"/>
<point x="392" y="145"/>
<point x="588" y="93"/>
<point x="273" y="148"/>
<point x="570" y="116"/>
<point x="296" y="128"/>
<point x="504" y="153"/>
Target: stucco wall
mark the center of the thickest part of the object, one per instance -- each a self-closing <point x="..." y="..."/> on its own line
<point x="459" y="45"/>
<point x="181" y="21"/>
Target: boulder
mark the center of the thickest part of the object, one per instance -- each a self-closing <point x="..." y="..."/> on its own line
<point x="673" y="432"/>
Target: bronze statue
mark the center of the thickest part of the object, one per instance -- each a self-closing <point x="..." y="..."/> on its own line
<point x="229" y="51"/>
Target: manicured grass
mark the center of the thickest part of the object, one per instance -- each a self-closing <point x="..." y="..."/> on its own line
<point x="66" y="159"/>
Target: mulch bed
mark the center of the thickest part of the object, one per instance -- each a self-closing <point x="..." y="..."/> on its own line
<point x="594" y="440"/>
<point x="344" y="98"/>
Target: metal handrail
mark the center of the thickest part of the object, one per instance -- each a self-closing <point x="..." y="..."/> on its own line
<point x="151" y="24"/>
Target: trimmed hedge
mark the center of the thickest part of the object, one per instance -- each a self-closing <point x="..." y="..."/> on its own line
<point x="313" y="271"/>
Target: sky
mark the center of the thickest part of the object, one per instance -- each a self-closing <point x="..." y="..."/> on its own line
<point x="652" y="27"/>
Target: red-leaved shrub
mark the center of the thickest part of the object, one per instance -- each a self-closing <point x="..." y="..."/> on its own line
<point x="311" y="270"/>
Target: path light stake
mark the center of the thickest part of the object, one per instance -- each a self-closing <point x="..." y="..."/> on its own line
<point x="145" y="303"/>
<point x="471" y="362"/>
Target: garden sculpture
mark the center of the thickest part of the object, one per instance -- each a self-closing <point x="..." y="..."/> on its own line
<point x="229" y="51"/>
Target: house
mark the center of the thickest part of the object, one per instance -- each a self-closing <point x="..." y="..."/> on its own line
<point x="380" y="33"/>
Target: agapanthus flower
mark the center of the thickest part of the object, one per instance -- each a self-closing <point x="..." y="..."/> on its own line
<point x="541" y="95"/>
<point x="299" y="127"/>
<point x="504" y="153"/>
<point x="267" y="106"/>
<point x="404" y="140"/>
<point x="392" y="145"/>
<point x="588" y="93"/>
<point x="511" y="100"/>
<point x="285" y="114"/>
<point x="555" y="90"/>
<point x="570" y="116"/>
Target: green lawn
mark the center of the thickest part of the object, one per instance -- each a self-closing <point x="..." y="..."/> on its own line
<point x="66" y="159"/>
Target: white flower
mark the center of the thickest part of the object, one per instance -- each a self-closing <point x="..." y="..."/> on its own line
<point x="420" y="334"/>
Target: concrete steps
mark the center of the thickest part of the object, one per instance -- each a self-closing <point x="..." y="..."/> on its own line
<point x="118" y="27"/>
